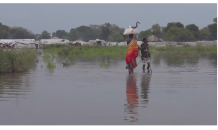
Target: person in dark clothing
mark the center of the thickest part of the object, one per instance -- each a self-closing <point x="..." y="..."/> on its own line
<point x="145" y="55"/>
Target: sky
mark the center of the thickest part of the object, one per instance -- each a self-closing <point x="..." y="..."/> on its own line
<point x="51" y="17"/>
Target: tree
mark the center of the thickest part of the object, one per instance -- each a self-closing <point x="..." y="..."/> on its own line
<point x="162" y="33"/>
<point x="53" y="34"/>
<point x="105" y="31"/>
<point x="145" y="34"/>
<point x="21" y="33"/>
<point x="1" y="30"/>
<point x="204" y="34"/>
<point x="171" y="24"/>
<point x="179" y="25"/>
<point x="213" y="29"/>
<point x="86" y="33"/>
<point x="156" y="30"/>
<point x="115" y="36"/>
<point x="179" y="35"/>
<point x="37" y="36"/>
<point x="215" y="20"/>
<point x="73" y="35"/>
<point x="45" y="35"/>
<point x="194" y="29"/>
<point x="61" y="33"/>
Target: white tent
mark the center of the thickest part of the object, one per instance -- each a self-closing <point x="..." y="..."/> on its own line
<point x="79" y="41"/>
<point x="54" y="41"/>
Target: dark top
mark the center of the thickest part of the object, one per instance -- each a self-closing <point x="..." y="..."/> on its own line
<point x="144" y="50"/>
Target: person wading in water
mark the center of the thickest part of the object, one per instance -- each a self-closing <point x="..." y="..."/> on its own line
<point x="145" y="54"/>
<point x="132" y="53"/>
<point x="132" y="50"/>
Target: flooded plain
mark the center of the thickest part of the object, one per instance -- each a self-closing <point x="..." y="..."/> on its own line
<point x="179" y="91"/>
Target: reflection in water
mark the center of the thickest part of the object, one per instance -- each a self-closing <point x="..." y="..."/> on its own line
<point x="145" y="83"/>
<point x="175" y="59"/>
<point x="13" y="85"/>
<point x="131" y="108"/>
<point x="156" y="59"/>
<point x="213" y="59"/>
<point x="132" y="96"/>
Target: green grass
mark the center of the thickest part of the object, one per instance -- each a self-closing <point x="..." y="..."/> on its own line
<point x="17" y="60"/>
<point x="197" y="49"/>
<point x="49" y="59"/>
<point x="69" y="54"/>
<point x="105" y="62"/>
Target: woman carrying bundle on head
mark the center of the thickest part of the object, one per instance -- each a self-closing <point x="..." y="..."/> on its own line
<point x="132" y="50"/>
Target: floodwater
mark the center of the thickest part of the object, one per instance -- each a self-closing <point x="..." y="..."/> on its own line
<point x="179" y="91"/>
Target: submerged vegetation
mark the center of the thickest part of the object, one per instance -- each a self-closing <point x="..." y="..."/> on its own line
<point x="186" y="48"/>
<point x="17" y="60"/>
<point x="67" y="55"/>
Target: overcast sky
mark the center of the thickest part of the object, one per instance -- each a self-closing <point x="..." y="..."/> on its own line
<point x="53" y="17"/>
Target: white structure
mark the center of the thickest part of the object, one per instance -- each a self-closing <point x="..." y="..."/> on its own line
<point x="191" y="43"/>
<point x="80" y="41"/>
<point x="19" y="43"/>
<point x="122" y="44"/>
<point x="94" y="42"/>
<point x="154" y="38"/>
<point x="54" y="41"/>
<point x="206" y="43"/>
<point x="28" y="44"/>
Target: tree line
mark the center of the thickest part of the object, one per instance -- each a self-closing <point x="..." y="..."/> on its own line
<point x="174" y="31"/>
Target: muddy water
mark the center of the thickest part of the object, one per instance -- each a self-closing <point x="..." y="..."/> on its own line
<point x="178" y="92"/>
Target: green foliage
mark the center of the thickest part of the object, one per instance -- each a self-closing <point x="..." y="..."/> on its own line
<point x="45" y="35"/>
<point x="204" y="34"/>
<point x="215" y="20"/>
<point x="156" y="30"/>
<point x="60" y="34"/>
<point x="145" y="34"/>
<point x="21" y="33"/>
<point x="112" y="32"/>
<point x="73" y="35"/>
<point x="172" y="24"/>
<point x="16" y="60"/>
<point x="115" y="36"/>
<point x="179" y="35"/>
<point x="105" y="31"/>
<point x="194" y="29"/>
<point x="212" y="28"/>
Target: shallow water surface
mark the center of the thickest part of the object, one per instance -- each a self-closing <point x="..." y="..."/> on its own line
<point x="177" y="92"/>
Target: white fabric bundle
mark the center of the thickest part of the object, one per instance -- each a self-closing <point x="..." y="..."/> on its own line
<point x="130" y="30"/>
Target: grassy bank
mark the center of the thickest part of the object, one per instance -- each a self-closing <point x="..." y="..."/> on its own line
<point x="68" y="54"/>
<point x="17" y="60"/>
<point x="118" y="51"/>
<point x="86" y="51"/>
<point x="196" y="49"/>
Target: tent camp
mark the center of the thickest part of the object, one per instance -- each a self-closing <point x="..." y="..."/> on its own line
<point x="54" y="41"/>
<point x="79" y="41"/>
